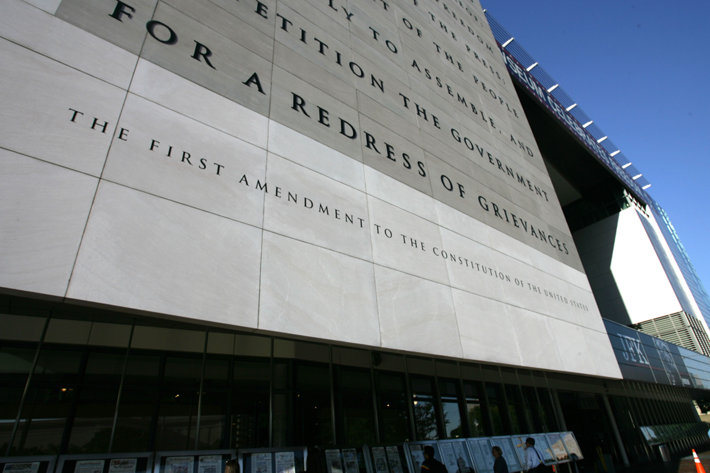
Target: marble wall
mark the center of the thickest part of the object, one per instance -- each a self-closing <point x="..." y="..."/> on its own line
<point x="352" y="171"/>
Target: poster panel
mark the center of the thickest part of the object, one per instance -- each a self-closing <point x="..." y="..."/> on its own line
<point x="21" y="467"/>
<point x="480" y="449"/>
<point x="350" y="462"/>
<point x="508" y="445"/>
<point x="122" y="465"/>
<point x="572" y="446"/>
<point x="285" y="462"/>
<point x="261" y="463"/>
<point x="558" y="447"/>
<point x="333" y="461"/>
<point x="543" y="446"/>
<point x="379" y="460"/>
<point x="209" y="464"/>
<point x="89" y="466"/>
<point x="455" y="456"/>
<point x="179" y="464"/>
<point x="394" y="459"/>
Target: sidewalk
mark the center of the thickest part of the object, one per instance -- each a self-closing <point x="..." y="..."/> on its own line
<point x="680" y="465"/>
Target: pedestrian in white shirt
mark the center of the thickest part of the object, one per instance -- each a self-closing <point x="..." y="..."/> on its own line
<point x="533" y="457"/>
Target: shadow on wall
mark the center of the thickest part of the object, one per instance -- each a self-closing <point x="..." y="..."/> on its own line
<point x="595" y="244"/>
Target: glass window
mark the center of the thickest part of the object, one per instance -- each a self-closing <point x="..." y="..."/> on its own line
<point x="474" y="409"/>
<point x="424" y="408"/>
<point x="533" y="410"/>
<point x="392" y="407"/>
<point x="495" y="402"/>
<point x="548" y="413"/>
<point x="15" y="365"/>
<point x="215" y="404"/>
<point x="312" y="422"/>
<point x="514" y="404"/>
<point x="138" y="403"/>
<point x="49" y="401"/>
<point x="249" y="421"/>
<point x="354" y="410"/>
<point x="283" y="397"/>
<point x="177" y="412"/>
<point x="93" y="421"/>
<point x="451" y="408"/>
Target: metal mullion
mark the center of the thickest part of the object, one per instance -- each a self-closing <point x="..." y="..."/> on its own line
<point x="27" y="386"/>
<point x="120" y="388"/>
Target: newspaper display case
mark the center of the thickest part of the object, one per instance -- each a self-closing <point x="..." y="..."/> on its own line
<point x="384" y="459"/>
<point x="570" y="442"/>
<point x="509" y="447"/>
<point x="480" y="449"/>
<point x="414" y="453"/>
<point x="136" y="462"/>
<point x="558" y="447"/>
<point x="40" y="464"/>
<point x="191" y="461"/>
<point x="456" y="457"/>
<point x="348" y="460"/>
<point x="273" y="460"/>
<point x="543" y="446"/>
<point x="474" y="454"/>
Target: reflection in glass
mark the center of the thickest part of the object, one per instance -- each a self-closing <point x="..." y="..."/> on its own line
<point x="48" y="403"/>
<point x="548" y="415"/>
<point x="15" y="365"/>
<point x="494" y="408"/>
<point x="177" y="411"/>
<point x="392" y="409"/>
<point x="425" y="425"/>
<point x="249" y="423"/>
<point x="514" y="404"/>
<point x="137" y="405"/>
<point x="93" y="421"/>
<point x="215" y="402"/>
<point x="451" y="410"/>
<point x="474" y="409"/>
<point x="354" y="410"/>
<point x="312" y="405"/>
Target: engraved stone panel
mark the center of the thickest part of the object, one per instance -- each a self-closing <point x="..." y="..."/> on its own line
<point x="412" y="309"/>
<point x="54" y="112"/>
<point x="133" y="240"/>
<point x="300" y="106"/>
<point x="309" y="153"/>
<point x="191" y="50"/>
<point x="404" y="242"/>
<point x="310" y="207"/>
<point x="338" y="304"/>
<point x="394" y="155"/>
<point x="43" y="210"/>
<point x="50" y="6"/>
<point x="29" y="27"/>
<point x="117" y="22"/>
<point x="392" y="191"/>
<point x="172" y="91"/>
<point x="228" y="25"/>
<point x="491" y="338"/>
<point x="169" y="155"/>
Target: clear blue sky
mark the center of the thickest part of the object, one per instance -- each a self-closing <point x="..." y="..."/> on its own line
<point x="640" y="70"/>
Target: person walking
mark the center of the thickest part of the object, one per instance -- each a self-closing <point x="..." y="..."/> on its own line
<point x="431" y="464"/>
<point x="499" y="464"/>
<point x="533" y="458"/>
